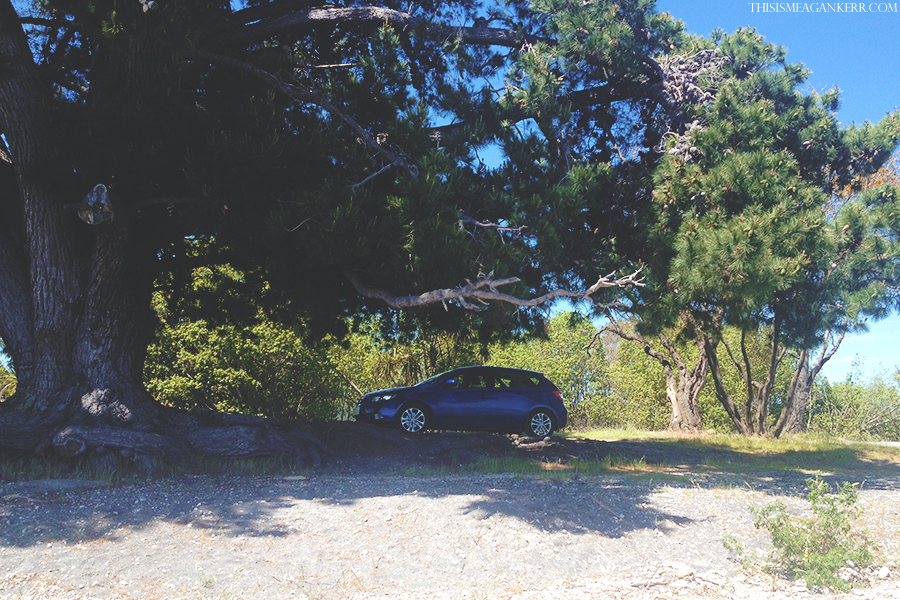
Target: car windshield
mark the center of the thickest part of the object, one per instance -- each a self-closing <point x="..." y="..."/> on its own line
<point x="431" y="380"/>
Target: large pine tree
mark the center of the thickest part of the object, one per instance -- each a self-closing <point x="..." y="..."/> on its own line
<point x="333" y="154"/>
<point x="746" y="235"/>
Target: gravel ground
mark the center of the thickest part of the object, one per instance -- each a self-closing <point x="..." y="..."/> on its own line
<point x="367" y="537"/>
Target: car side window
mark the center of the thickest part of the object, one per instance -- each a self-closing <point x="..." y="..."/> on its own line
<point x="474" y="381"/>
<point x="520" y="380"/>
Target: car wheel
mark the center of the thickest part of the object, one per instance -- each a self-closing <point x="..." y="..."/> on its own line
<point x="413" y="419"/>
<point x="540" y="424"/>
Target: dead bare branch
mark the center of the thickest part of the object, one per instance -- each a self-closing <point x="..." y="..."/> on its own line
<point x="826" y="353"/>
<point x="465" y="219"/>
<point x="484" y="290"/>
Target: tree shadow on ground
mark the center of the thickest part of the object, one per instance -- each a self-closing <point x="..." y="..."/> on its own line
<point x="361" y="463"/>
<point x="354" y="448"/>
<point x="607" y="506"/>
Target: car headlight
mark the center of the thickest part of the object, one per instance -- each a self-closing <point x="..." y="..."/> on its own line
<point x="383" y="398"/>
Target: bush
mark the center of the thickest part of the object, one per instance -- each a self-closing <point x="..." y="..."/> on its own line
<point x="266" y="370"/>
<point x="562" y="356"/>
<point x="7" y="382"/>
<point x="858" y="409"/>
<point x="817" y="548"/>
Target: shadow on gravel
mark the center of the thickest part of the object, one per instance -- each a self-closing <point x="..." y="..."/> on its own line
<point x="360" y="449"/>
<point x="360" y="465"/>
<point x="278" y="506"/>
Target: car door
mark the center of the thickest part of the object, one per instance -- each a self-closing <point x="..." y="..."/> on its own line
<point x="471" y="407"/>
<point x="513" y="399"/>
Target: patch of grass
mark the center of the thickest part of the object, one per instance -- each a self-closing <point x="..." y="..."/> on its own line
<point x="558" y="469"/>
<point x="27" y="467"/>
<point x="247" y="466"/>
<point x="733" y="453"/>
<point x="537" y="468"/>
<point x="617" y="434"/>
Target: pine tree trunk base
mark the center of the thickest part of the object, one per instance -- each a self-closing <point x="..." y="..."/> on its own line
<point x="174" y="439"/>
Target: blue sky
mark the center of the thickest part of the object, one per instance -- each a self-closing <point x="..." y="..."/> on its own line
<point x="856" y="51"/>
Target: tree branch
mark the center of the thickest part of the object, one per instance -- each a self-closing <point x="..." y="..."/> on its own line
<point x="826" y="354"/>
<point x="465" y="219"/>
<point x="258" y="23"/>
<point x="254" y="25"/>
<point x="615" y="327"/>
<point x="305" y="94"/>
<point x="721" y="393"/>
<point x="484" y="289"/>
<point x="604" y="94"/>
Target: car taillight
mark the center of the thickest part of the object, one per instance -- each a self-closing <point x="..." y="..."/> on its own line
<point x="558" y="394"/>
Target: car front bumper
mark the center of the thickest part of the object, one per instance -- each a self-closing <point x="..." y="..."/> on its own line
<point x="375" y="413"/>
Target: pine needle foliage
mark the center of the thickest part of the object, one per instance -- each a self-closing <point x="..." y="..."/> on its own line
<point x="746" y="233"/>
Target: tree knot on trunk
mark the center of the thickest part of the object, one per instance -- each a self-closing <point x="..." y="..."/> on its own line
<point x="96" y="207"/>
<point x="103" y="407"/>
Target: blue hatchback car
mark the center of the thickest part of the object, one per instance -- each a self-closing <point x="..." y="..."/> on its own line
<point x="470" y="398"/>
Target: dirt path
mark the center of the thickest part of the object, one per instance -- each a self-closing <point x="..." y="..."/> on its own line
<point x="338" y="534"/>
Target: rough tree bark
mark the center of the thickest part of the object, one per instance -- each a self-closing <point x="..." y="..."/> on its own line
<point x="793" y="413"/>
<point x="683" y="382"/>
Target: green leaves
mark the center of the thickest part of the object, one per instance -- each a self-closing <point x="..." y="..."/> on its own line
<point x="264" y="369"/>
<point x="816" y="548"/>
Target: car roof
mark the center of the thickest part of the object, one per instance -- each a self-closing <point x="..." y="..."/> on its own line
<point x="493" y="368"/>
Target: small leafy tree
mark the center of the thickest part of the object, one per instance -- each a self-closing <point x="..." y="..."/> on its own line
<point x="743" y="237"/>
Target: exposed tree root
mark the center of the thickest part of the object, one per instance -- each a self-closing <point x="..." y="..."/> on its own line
<point x="174" y="438"/>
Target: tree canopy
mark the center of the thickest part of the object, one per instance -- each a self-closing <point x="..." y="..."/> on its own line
<point x="334" y="155"/>
<point x="353" y="158"/>
<point x="747" y="233"/>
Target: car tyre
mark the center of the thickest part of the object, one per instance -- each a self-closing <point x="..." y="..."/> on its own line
<point x="539" y="424"/>
<point x="413" y="418"/>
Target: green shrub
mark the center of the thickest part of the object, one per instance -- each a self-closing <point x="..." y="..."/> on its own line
<point x="858" y="408"/>
<point x="814" y="549"/>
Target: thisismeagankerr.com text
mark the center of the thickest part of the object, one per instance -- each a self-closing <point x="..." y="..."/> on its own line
<point x="823" y="7"/>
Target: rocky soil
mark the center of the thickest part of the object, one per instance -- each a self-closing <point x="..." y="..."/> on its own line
<point x="365" y="529"/>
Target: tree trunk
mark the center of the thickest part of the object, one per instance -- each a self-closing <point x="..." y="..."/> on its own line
<point x="685" y="412"/>
<point x="683" y="384"/>
<point x="722" y="394"/>
<point x="76" y="277"/>
<point x="683" y="387"/>
<point x="751" y="417"/>
<point x="91" y="400"/>
<point x="794" y="413"/>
